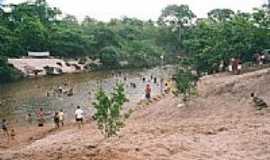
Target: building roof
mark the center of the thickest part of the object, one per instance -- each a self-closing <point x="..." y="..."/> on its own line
<point x="39" y="54"/>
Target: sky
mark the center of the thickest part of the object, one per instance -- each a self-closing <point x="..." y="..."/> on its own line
<point x="143" y="9"/>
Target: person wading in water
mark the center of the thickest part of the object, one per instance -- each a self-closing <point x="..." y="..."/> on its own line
<point x="148" y="92"/>
<point x="79" y="116"/>
<point x="40" y="117"/>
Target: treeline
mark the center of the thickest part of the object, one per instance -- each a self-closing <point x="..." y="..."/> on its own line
<point x="225" y="35"/>
<point x="38" y="27"/>
<point x="35" y="26"/>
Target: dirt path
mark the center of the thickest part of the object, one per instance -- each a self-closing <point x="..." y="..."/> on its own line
<point x="221" y="125"/>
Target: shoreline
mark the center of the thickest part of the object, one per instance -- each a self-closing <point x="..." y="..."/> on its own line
<point x="29" y="133"/>
<point x="27" y="66"/>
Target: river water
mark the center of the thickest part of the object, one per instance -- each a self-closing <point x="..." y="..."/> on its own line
<point x="27" y="96"/>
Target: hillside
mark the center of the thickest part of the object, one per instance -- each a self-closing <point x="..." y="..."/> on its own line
<point x="220" y="124"/>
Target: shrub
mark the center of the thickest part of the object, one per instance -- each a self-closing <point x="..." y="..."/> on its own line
<point x="108" y="110"/>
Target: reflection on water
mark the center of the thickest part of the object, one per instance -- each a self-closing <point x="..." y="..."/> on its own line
<point x="27" y="96"/>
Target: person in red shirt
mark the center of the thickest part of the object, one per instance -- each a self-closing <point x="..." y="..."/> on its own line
<point x="148" y="91"/>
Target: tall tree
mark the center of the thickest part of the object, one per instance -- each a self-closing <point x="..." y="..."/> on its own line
<point x="177" y="17"/>
<point x="219" y="15"/>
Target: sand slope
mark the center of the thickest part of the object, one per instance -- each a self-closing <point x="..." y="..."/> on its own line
<point x="220" y="124"/>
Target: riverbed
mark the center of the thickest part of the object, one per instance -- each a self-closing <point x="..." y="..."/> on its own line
<point x="27" y="96"/>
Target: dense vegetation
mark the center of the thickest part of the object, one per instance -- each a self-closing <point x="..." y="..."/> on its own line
<point x="35" y="26"/>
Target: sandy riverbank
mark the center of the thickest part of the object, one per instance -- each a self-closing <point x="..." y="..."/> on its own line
<point x="219" y="124"/>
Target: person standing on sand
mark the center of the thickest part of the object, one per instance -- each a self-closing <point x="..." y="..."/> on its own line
<point x="79" y="116"/>
<point x="234" y="66"/>
<point x="29" y="118"/>
<point x="61" y="117"/>
<point x="167" y="88"/>
<point x="230" y="67"/>
<point x="148" y="92"/>
<point x="4" y="127"/>
<point x="238" y="66"/>
<point x="56" y="119"/>
<point x="161" y="86"/>
<point x="40" y="117"/>
<point x="258" y="58"/>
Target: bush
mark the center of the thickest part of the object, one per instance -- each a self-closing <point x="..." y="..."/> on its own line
<point x="7" y="73"/>
<point x="185" y="82"/>
<point x="109" y="57"/>
<point x="108" y="110"/>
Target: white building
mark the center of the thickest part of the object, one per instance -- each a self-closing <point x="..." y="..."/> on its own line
<point x="39" y="54"/>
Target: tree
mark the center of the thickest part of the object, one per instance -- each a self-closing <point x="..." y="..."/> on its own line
<point x="33" y="35"/>
<point x="177" y="18"/>
<point x="239" y="36"/>
<point x="88" y="21"/>
<point x="220" y="15"/>
<point x="108" y="110"/>
<point x="104" y="37"/>
<point x="70" y="20"/>
<point x="38" y="9"/>
<point x="7" y="40"/>
<point x="185" y="82"/>
<point x="109" y="57"/>
<point x="70" y="42"/>
<point x="7" y="73"/>
<point x="177" y="15"/>
<point x="261" y="17"/>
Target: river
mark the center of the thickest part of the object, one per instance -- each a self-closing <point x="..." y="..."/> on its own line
<point x="27" y="96"/>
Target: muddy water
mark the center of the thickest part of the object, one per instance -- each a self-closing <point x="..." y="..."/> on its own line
<point x="27" y="96"/>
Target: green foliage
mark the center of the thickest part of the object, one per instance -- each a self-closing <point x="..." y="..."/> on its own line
<point x="35" y="26"/>
<point x="230" y="35"/>
<point x="175" y="21"/>
<point x="108" y="110"/>
<point x="109" y="57"/>
<point x="185" y="82"/>
<point x="33" y="35"/>
<point x="219" y="15"/>
<point x="7" y="73"/>
<point x="177" y="15"/>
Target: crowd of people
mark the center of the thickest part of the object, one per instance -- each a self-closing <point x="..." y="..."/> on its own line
<point x="166" y="87"/>
<point x="40" y="117"/>
<point x="61" y="91"/>
<point x="235" y="64"/>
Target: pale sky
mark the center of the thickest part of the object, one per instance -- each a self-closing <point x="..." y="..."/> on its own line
<point x="143" y="9"/>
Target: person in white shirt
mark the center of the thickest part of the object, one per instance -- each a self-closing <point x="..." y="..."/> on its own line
<point x="79" y="116"/>
<point x="61" y="117"/>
